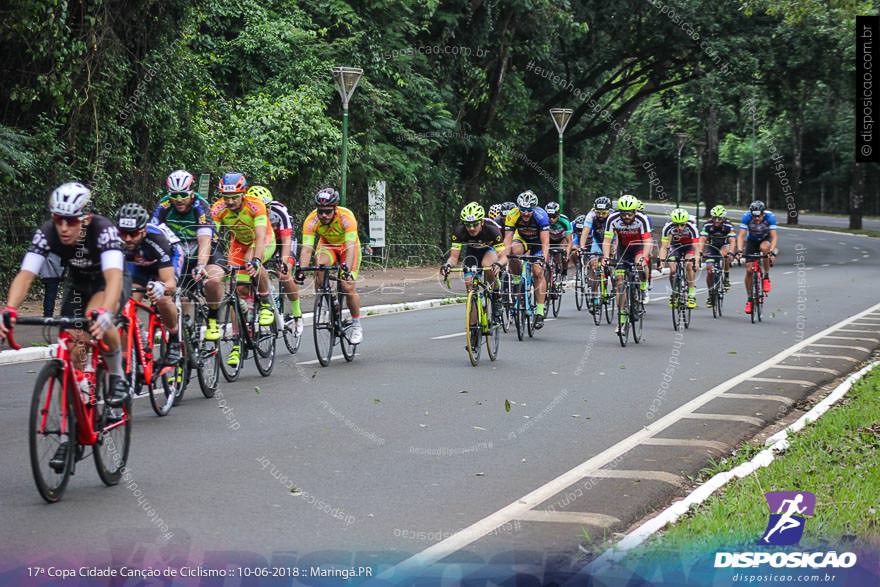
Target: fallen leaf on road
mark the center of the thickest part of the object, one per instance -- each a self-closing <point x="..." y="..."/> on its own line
<point x="554" y="373"/>
<point x="731" y="352"/>
<point x="463" y="391"/>
<point x="377" y="401"/>
<point x="294" y="490"/>
<point x="480" y="475"/>
<point x="507" y="405"/>
<point x="257" y="389"/>
<point x="622" y="366"/>
<point x="478" y="428"/>
<point x="575" y="415"/>
<point x="423" y="425"/>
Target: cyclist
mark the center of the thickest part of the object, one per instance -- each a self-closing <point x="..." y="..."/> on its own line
<point x="718" y="239"/>
<point x="154" y="260"/>
<point x="679" y="237"/>
<point x="483" y="244"/>
<point x="641" y="209"/>
<point x="494" y="212"/>
<point x="251" y="242"/>
<point x="593" y="232"/>
<point x="282" y="225"/>
<point x="757" y="233"/>
<point x="560" y="236"/>
<point x="577" y="226"/>
<point x="338" y="244"/>
<point x="631" y="231"/>
<point x="526" y="232"/>
<point x="506" y="209"/>
<point x="188" y="215"/>
<point x="89" y="245"/>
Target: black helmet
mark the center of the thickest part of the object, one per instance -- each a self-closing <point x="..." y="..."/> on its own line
<point x="602" y="203"/>
<point x="132" y="217"/>
<point x="757" y="206"/>
<point x="327" y="197"/>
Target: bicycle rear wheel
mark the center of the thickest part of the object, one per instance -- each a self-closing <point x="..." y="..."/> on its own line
<point x="207" y="358"/>
<point x="473" y="328"/>
<point x="288" y="332"/>
<point x="493" y="340"/>
<point x="49" y="430"/>
<point x="263" y="342"/>
<point x="505" y="301"/>
<point x="323" y="327"/>
<point x="164" y="385"/>
<point x="230" y="338"/>
<point x="713" y="295"/>
<point x="114" y="438"/>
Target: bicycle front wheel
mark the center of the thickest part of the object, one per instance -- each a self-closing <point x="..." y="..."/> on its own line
<point x="52" y="426"/>
<point x="530" y="311"/>
<point x="623" y="317"/>
<point x="230" y="343"/>
<point x="264" y="344"/>
<point x="474" y="329"/>
<point x="114" y="436"/>
<point x="636" y="314"/>
<point x="348" y="349"/>
<point x="207" y="358"/>
<point x="323" y="327"/>
<point x="493" y="339"/>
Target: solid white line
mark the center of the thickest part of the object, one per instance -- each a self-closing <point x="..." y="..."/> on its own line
<point x="724" y="417"/>
<point x="816" y="369"/>
<point x="758" y="396"/>
<point x="448" y="336"/>
<point x="839" y="346"/>
<point x="316" y="361"/>
<point x="466" y="536"/>
<point x="600" y="520"/>
<point x="800" y="382"/>
<point x="775" y="444"/>
<point x="686" y="442"/>
<point x="840" y="357"/>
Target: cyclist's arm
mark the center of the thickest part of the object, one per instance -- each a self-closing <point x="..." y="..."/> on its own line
<point x="664" y="244"/>
<point x="454" y="253"/>
<point x="19" y="288"/>
<point x="204" y="249"/>
<point x="586" y="241"/>
<point x="545" y="244"/>
<point x="259" y="241"/>
<point x="740" y="239"/>
<point x="112" y="288"/>
<point x="774" y="239"/>
<point x="286" y="243"/>
<point x="606" y="243"/>
<point x="167" y="277"/>
<point x="508" y="238"/>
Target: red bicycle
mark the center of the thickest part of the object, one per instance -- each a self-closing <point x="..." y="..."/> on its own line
<point x="165" y="383"/>
<point x="68" y="412"/>
<point x="758" y="294"/>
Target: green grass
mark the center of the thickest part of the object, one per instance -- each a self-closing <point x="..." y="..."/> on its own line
<point x="837" y="458"/>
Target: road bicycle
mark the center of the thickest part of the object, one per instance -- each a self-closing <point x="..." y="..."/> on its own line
<point x="630" y="306"/>
<point x="580" y="281"/>
<point x="600" y="295"/>
<point x="68" y="412"/>
<point x="555" y="280"/>
<point x="283" y="305"/>
<point x="141" y="359"/>
<point x="479" y="323"/>
<point x="240" y="328"/>
<point x="202" y="355"/>
<point x="681" y="313"/>
<point x="716" y="283"/>
<point x="506" y="295"/>
<point x="758" y="294"/>
<point x="525" y="303"/>
<point x="329" y="325"/>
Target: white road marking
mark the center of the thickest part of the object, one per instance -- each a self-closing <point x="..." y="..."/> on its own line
<point x="663" y="476"/>
<point x="724" y="417"/>
<point x="758" y="396"/>
<point x="316" y="361"/>
<point x="854" y="338"/>
<point x="841" y="357"/>
<point x="448" y="336"/>
<point x="800" y="382"/>
<point x="512" y="511"/>
<point x="837" y="346"/>
<point x="800" y="368"/>
<point x="856" y="330"/>
<point x="686" y="442"/>
<point x="600" y="520"/>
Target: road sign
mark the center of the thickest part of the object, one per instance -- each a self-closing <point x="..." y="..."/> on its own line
<point x="205" y="185"/>
<point x="376" y="203"/>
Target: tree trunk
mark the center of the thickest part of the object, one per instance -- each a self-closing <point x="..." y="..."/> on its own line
<point x="857" y="196"/>
<point x="710" y="161"/>
<point x="791" y="198"/>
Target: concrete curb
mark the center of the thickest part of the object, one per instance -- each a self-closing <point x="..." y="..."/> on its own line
<point x="775" y="444"/>
<point x="39" y="353"/>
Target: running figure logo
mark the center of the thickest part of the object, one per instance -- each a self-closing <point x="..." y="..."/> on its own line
<point x="787" y="511"/>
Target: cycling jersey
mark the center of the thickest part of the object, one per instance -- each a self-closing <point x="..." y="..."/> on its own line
<point x="159" y="249"/>
<point x="98" y="249"/>
<point x="342" y="229"/>
<point x="758" y="230"/>
<point x="638" y="230"/>
<point x="189" y="225"/>
<point x="489" y="237"/>
<point x="529" y="230"/>
<point x="559" y="229"/>
<point x="680" y="234"/>
<point x="596" y="226"/>
<point x="243" y="223"/>
<point x="718" y="234"/>
<point x="279" y="219"/>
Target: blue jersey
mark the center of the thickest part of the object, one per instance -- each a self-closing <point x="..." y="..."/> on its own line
<point x="758" y="230"/>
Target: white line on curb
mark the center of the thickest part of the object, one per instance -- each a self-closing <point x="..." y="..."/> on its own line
<point x="775" y="444"/>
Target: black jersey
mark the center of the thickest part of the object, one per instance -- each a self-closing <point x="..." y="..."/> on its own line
<point x="489" y="236"/>
<point x="99" y="241"/>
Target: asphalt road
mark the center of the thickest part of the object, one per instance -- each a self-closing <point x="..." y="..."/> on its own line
<point x="408" y="443"/>
<point x="805" y="219"/>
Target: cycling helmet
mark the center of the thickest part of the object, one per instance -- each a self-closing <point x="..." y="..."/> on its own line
<point x="506" y="207"/>
<point x="527" y="199"/>
<point x="70" y="199"/>
<point x="757" y="206"/>
<point x="718" y="211"/>
<point x="679" y="216"/>
<point x="233" y="183"/>
<point x="627" y="204"/>
<point x="180" y="182"/>
<point x="263" y="194"/>
<point x="641" y="206"/>
<point x="472" y="212"/>
<point x="132" y="217"/>
<point x="552" y="208"/>
<point x="602" y="203"/>
<point x="494" y="210"/>
<point x="327" y="197"/>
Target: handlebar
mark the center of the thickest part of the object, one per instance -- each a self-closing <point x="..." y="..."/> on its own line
<point x="61" y="322"/>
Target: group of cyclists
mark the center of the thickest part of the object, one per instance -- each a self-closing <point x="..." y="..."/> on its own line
<point x="178" y="247"/>
<point x="611" y="234"/>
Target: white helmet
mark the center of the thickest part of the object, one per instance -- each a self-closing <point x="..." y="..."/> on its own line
<point x="180" y="181"/>
<point x="527" y="199"/>
<point x="70" y="199"/>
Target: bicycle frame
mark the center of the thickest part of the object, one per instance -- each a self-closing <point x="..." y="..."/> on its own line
<point x="133" y="337"/>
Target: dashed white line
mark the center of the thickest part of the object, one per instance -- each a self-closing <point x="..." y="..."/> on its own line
<point x="800" y="382"/>
<point x="799" y="368"/>
<point x="448" y="336"/>
<point x="724" y="417"/>
<point x="840" y="357"/>
<point x="694" y="442"/>
<point x="592" y="519"/>
<point x="758" y="396"/>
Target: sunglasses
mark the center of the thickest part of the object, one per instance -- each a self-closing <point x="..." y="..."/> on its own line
<point x="231" y="196"/>
<point x="526" y="210"/>
<point x="180" y="195"/>
<point x="326" y="211"/>
<point x="69" y="220"/>
<point x="553" y="216"/>
<point x="126" y="234"/>
<point x="473" y="224"/>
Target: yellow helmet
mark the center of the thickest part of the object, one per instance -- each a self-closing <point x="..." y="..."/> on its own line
<point x="262" y="193"/>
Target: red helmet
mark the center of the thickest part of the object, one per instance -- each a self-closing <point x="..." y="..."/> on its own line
<point x="327" y="197"/>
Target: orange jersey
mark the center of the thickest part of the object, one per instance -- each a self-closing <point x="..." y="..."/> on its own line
<point x="242" y="224"/>
<point x="342" y="229"/>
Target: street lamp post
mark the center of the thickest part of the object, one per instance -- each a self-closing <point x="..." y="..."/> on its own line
<point x="701" y="150"/>
<point x="346" y="80"/>
<point x="560" y="117"/>
<point x="682" y="139"/>
<point x="754" y="184"/>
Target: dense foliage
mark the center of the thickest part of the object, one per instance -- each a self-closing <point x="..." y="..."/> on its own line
<point x="453" y="104"/>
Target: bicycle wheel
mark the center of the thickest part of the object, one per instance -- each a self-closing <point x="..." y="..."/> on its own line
<point x="230" y="338"/>
<point x="610" y="300"/>
<point x="713" y="295"/>
<point x="185" y="367"/>
<point x="504" y="300"/>
<point x="288" y="331"/>
<point x="163" y="385"/>
<point x="579" y="288"/>
<point x="323" y="327"/>
<point x="473" y="329"/>
<point x="207" y="358"/>
<point x="348" y="350"/>
<point x="530" y="311"/>
<point x="556" y="301"/>
<point x="46" y="434"/>
<point x="114" y="439"/>
<point x="756" y="292"/>
<point x="493" y="340"/>
<point x="719" y="298"/>
<point x="676" y="303"/>
<point x="264" y="343"/>
<point x="636" y="313"/>
<point x="519" y="312"/>
<point x="623" y="317"/>
<point x="759" y="302"/>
